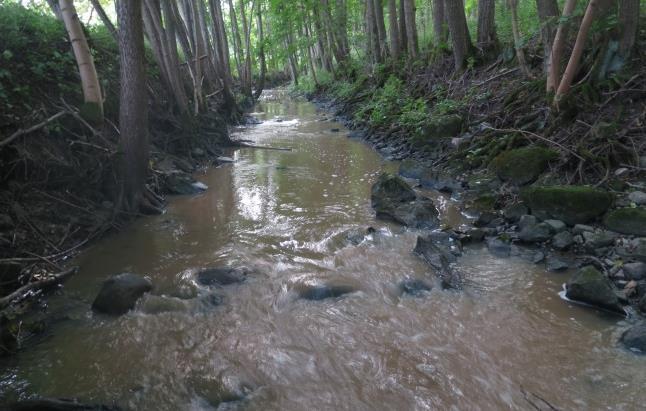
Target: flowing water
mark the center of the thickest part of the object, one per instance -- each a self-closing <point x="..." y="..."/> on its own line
<point x="505" y="340"/>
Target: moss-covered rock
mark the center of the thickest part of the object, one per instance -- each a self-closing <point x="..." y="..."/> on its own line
<point x="522" y="166"/>
<point x="590" y="286"/>
<point x="627" y="221"/>
<point x="440" y="127"/>
<point x="571" y="204"/>
<point x="411" y="168"/>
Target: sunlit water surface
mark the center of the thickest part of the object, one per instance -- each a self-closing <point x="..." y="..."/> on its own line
<point x="505" y="337"/>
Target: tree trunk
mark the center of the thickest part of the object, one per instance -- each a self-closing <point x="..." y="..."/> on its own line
<point x="394" y="29"/>
<point x="261" y="53"/>
<point x="573" y="64"/>
<point x="246" y="29"/>
<point x="133" y="105"/>
<point x="629" y="23"/>
<point x="53" y="4"/>
<point x="460" y="37"/>
<point x="105" y="19"/>
<point x="378" y="9"/>
<point x="557" y="48"/>
<point x="411" y="27"/>
<point x="548" y="12"/>
<point x="520" y="53"/>
<point x="372" y="33"/>
<point x="439" y="23"/>
<point x="487" y="38"/>
<point x="92" y="110"/>
<point x="403" y="31"/>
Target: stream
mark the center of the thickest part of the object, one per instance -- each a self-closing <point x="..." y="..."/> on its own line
<point x="503" y="342"/>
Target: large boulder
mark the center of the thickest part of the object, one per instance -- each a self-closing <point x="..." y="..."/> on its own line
<point x="119" y="293"/>
<point x="522" y="165"/>
<point x="627" y="221"/>
<point x="635" y="338"/>
<point x="393" y="199"/>
<point x="439" y="181"/>
<point x="571" y="204"/>
<point x="590" y="286"/>
<point x="446" y="126"/>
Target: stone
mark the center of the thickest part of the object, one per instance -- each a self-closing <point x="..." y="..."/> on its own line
<point x="562" y="240"/>
<point x="635" y="271"/>
<point x="476" y="234"/>
<point x="522" y="166"/>
<point x="630" y="221"/>
<point x="119" y="293"/>
<point x="393" y="199"/>
<point x="554" y="263"/>
<point x="634" y="338"/>
<point x="570" y="204"/>
<point x="590" y="286"/>
<point x="637" y="197"/>
<point x="527" y="221"/>
<point x="355" y="236"/>
<point x="642" y="304"/>
<point x="181" y="184"/>
<point x="598" y="239"/>
<point x="581" y="228"/>
<point x="535" y="233"/>
<point x="335" y="130"/>
<point x="439" y="254"/>
<point x="642" y="161"/>
<point x="411" y="169"/>
<point x="499" y="247"/>
<point x="634" y="249"/>
<point x="414" y="287"/>
<point x="484" y="219"/>
<point x="515" y="211"/>
<point x="198" y="152"/>
<point x="441" y="127"/>
<point x="325" y="291"/>
<point x="556" y="226"/>
<point x="221" y="276"/>
<point x="439" y="181"/>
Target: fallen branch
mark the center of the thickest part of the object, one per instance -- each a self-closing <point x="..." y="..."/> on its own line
<point x="31" y="129"/>
<point x="36" y="285"/>
<point x="245" y="145"/>
<point x="529" y="133"/>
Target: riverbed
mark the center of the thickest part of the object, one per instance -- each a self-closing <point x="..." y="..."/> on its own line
<point x="505" y="341"/>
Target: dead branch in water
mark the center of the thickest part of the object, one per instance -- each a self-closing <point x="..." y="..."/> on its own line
<point x="528" y="394"/>
<point x="37" y="285"/>
<point x="245" y="145"/>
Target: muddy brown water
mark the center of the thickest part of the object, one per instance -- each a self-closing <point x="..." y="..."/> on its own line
<point x="280" y="213"/>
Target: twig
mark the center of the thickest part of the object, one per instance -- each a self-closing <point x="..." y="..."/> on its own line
<point x="31" y="129"/>
<point x="497" y="76"/>
<point x="529" y="133"/>
<point x="54" y="279"/>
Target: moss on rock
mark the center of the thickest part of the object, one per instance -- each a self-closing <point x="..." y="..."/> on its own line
<point x="571" y="204"/>
<point x="627" y="221"/>
<point x="522" y="166"/>
<point x="446" y="126"/>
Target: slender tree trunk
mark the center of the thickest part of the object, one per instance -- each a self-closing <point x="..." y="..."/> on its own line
<point x="105" y="19"/>
<point x="403" y="31"/>
<point x="629" y="23"/>
<point x="372" y="33"/>
<point x="520" y="53"/>
<point x="459" y="30"/>
<point x="548" y="13"/>
<point x="261" y="53"/>
<point x="487" y="38"/>
<point x="93" y="107"/>
<point x="378" y="9"/>
<point x="246" y="79"/>
<point x="558" y="46"/>
<point x="53" y="4"/>
<point x="133" y="106"/>
<point x="575" y="59"/>
<point x="394" y="29"/>
<point x="439" y="22"/>
<point x="411" y="27"/>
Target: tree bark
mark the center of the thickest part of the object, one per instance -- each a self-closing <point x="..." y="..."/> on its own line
<point x="105" y="19"/>
<point x="520" y="53"/>
<point x="459" y="30"/>
<point x="403" y="31"/>
<point x="439" y="22"/>
<point x="133" y="105"/>
<point x="487" y="37"/>
<point x="548" y="13"/>
<point x="411" y="27"/>
<point x="629" y="24"/>
<point x="378" y="8"/>
<point x="575" y="59"/>
<point x="93" y="108"/>
<point x="394" y="29"/>
<point x="554" y="65"/>
<point x="261" y="53"/>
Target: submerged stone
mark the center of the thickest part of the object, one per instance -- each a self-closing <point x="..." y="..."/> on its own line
<point x="590" y="286"/>
<point x="523" y="165"/>
<point x="414" y="287"/>
<point x="221" y="276"/>
<point x="630" y="221"/>
<point x="119" y="293"/>
<point x="634" y="338"/>
<point x="322" y="292"/>
<point x="571" y="204"/>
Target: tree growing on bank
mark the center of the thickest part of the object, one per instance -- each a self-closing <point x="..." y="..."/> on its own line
<point x="92" y="109"/>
